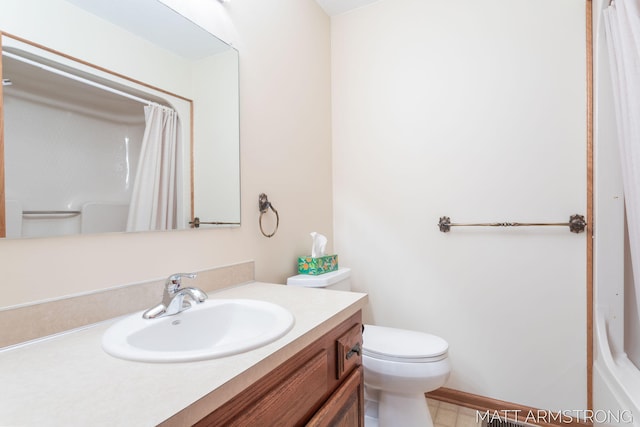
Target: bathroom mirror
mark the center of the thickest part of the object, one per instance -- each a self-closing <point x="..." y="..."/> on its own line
<point x="85" y="185"/>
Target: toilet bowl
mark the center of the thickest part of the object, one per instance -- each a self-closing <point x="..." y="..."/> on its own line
<point x="400" y="366"/>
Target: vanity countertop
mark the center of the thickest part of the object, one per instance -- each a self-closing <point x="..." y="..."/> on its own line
<point x="68" y="380"/>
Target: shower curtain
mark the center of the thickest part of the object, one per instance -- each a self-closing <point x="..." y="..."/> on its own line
<point x="622" y="25"/>
<point x="154" y="200"/>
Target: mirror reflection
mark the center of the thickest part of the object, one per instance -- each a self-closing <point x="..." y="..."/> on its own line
<point x="89" y="150"/>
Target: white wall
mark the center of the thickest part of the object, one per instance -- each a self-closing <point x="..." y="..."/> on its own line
<point x="285" y="127"/>
<point x="477" y="111"/>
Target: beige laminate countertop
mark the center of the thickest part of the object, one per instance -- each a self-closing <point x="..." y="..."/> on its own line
<point x="68" y="380"/>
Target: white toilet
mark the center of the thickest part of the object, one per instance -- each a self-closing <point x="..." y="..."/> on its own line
<point x="400" y="366"/>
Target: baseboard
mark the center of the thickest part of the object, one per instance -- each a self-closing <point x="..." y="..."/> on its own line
<point x="489" y="408"/>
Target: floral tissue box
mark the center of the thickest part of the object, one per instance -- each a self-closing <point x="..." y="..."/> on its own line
<point x="316" y="266"/>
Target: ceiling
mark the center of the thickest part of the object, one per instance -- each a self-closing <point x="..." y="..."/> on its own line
<point x="336" y="7"/>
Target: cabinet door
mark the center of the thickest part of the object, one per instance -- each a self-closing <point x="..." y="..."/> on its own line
<point x="345" y="407"/>
<point x="289" y="400"/>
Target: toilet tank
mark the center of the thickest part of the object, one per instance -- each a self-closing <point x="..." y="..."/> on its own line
<point x="336" y="280"/>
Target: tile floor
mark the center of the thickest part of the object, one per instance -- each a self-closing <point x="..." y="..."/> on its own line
<point x="443" y="414"/>
<point x="449" y="415"/>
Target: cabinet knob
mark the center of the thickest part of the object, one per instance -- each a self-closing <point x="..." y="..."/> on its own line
<point x="355" y="350"/>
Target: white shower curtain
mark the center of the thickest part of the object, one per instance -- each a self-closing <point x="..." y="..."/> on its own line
<point x="154" y="200"/>
<point x="622" y="25"/>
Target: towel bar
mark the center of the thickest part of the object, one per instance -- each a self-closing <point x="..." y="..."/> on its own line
<point x="576" y="224"/>
<point x="70" y="213"/>
<point x="196" y="223"/>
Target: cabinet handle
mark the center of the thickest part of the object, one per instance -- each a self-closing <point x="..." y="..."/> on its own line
<point x="356" y="349"/>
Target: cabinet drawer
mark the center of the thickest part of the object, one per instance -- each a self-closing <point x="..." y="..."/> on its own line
<point x="349" y="350"/>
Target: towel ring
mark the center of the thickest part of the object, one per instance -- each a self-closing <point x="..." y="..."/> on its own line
<point x="264" y="205"/>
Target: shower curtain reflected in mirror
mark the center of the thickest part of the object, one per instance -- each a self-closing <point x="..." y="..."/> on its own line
<point x="158" y="181"/>
<point x="622" y="24"/>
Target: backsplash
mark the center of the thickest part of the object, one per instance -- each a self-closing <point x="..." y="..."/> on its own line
<point x="37" y="320"/>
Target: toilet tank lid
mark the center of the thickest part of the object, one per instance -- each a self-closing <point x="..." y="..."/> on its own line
<point x="321" y="280"/>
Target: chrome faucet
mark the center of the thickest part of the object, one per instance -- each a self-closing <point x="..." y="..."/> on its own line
<point x="173" y="299"/>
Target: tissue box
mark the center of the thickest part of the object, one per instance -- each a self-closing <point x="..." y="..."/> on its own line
<point x="316" y="266"/>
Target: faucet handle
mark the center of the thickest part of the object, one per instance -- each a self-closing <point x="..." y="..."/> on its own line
<point x="175" y="280"/>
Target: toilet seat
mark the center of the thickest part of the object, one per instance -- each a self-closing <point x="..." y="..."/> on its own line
<point x="401" y="345"/>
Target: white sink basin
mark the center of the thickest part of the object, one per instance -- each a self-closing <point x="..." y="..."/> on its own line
<point x="215" y="328"/>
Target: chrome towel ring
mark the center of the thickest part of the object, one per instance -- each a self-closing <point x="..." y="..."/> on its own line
<point x="264" y="205"/>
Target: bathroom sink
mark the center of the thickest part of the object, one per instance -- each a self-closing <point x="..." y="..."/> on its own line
<point x="214" y="328"/>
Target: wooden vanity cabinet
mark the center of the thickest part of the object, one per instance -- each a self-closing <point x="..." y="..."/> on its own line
<point x="322" y="385"/>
